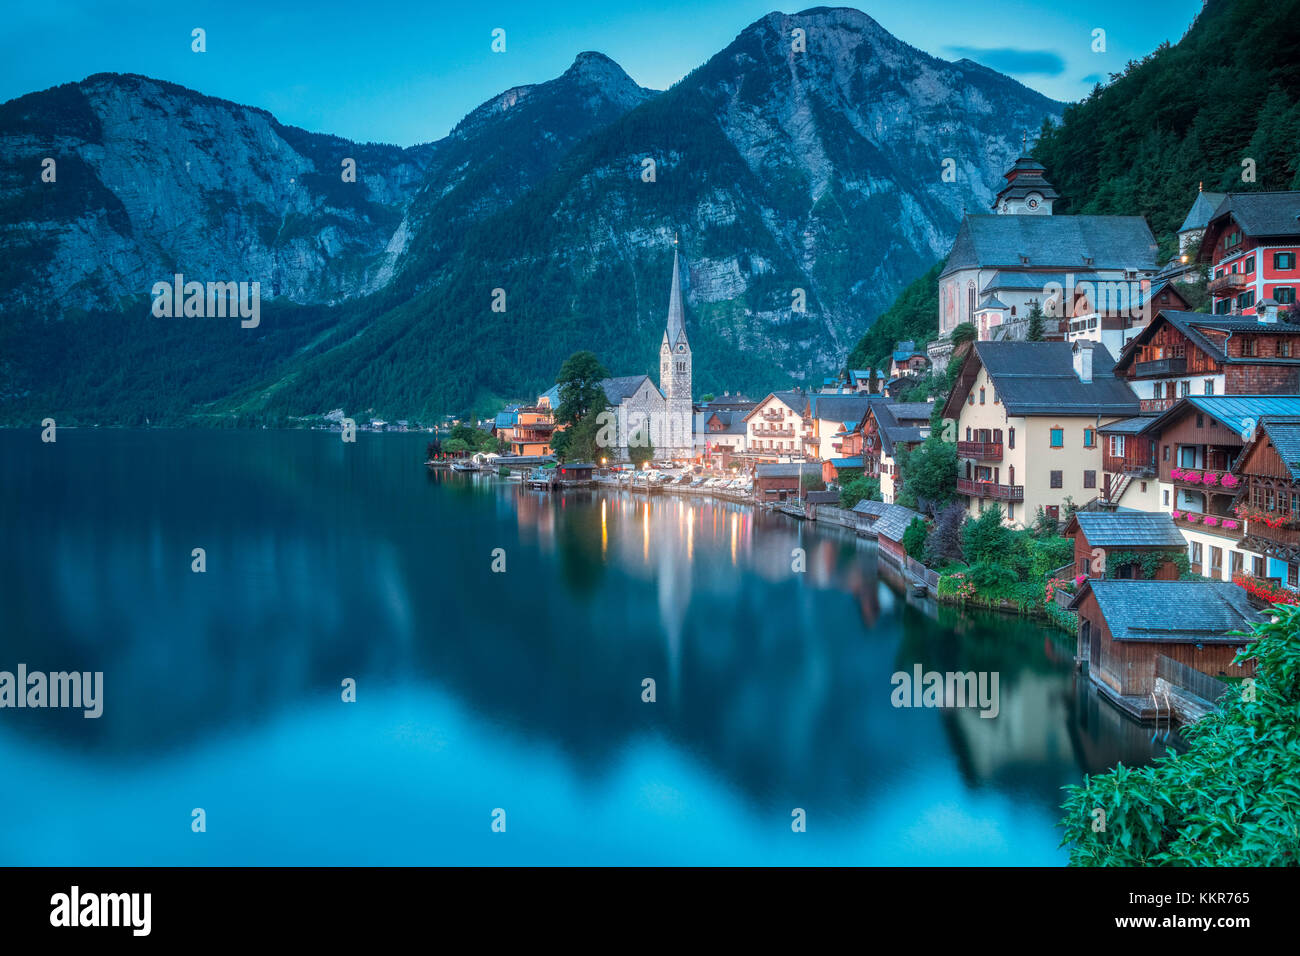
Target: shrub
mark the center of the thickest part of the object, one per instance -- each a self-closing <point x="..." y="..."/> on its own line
<point x="914" y="539"/>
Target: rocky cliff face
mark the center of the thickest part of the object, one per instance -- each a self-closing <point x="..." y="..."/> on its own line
<point x="817" y="169"/>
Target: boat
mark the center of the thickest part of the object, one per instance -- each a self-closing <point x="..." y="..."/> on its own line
<point x="463" y="466"/>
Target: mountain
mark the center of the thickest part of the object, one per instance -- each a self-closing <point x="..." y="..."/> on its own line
<point x="818" y="170"/>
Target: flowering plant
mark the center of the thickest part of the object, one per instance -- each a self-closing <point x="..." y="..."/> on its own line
<point x="1176" y="474"/>
<point x="1229" y="524"/>
<point x="1269" y="519"/>
<point x="1192" y="517"/>
<point x="1212" y="521"/>
<point x="1210" y="478"/>
<point x="1265" y="591"/>
<point x="1079" y="579"/>
<point x="1176" y="513"/>
<point x="1230" y="481"/>
<point x="1192" y="477"/>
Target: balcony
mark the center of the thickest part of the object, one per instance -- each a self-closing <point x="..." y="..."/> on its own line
<point x="987" y="489"/>
<point x="761" y="432"/>
<point x="1156" y="404"/>
<point x="1161" y="367"/>
<point x="1223" y="525"/>
<point x="1213" y="482"/>
<point x="1139" y="466"/>
<point x="980" y="450"/>
<point x="1229" y="283"/>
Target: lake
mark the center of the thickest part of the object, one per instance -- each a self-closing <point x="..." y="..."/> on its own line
<point x="481" y="690"/>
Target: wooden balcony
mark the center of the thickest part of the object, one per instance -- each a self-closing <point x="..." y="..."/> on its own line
<point x="1228" y="284"/>
<point x="1211" y="481"/>
<point x="980" y="450"/>
<point x="1225" y="526"/>
<point x="1161" y="367"/>
<point x="1137" y="465"/>
<point x="1156" y="404"/>
<point x="987" y="489"/>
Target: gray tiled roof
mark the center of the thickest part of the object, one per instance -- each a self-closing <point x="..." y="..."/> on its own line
<point x="893" y="522"/>
<point x="1202" y="209"/>
<point x="1127" y="426"/>
<point x="839" y="408"/>
<point x="1177" y="611"/>
<point x="1122" y="529"/>
<point x="1037" y="378"/>
<point x="1055" y="242"/>
<point x="1236" y="411"/>
<point x="1194" y="324"/>
<point x="872" y="509"/>
<point x="788" y="469"/>
<point x="1285" y="437"/>
<point x="617" y="389"/>
<point x="893" y="432"/>
<point x="1263" y="213"/>
<point x="1010" y="279"/>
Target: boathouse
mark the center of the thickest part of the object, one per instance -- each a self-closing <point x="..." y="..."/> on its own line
<point x="1125" y="544"/>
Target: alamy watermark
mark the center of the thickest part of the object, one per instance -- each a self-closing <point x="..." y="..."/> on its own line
<point x="214" y="300"/>
<point x="57" y="689"/>
<point x="951" y="689"/>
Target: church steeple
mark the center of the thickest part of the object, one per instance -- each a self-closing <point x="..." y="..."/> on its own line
<point x="676" y="330"/>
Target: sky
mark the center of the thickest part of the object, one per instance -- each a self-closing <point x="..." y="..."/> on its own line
<point x="406" y="72"/>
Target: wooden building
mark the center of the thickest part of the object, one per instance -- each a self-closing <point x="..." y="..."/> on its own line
<point x="1269" y="500"/>
<point x="1105" y="542"/>
<point x="780" y="481"/>
<point x="1124" y="626"/>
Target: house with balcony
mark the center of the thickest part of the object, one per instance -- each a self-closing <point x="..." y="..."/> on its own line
<point x="886" y="429"/>
<point x="1113" y="313"/>
<point x="1268" y="499"/>
<point x="1000" y="265"/>
<point x="1198" y="442"/>
<point x="1128" y="464"/>
<point x="907" y="360"/>
<point x="777" y="428"/>
<point x="1250" y="244"/>
<point x="724" y="432"/>
<point x="1027" y="418"/>
<point x="831" y="418"/>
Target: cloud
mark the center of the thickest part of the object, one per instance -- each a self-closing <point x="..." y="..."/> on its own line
<point x="1011" y="60"/>
<point x="1092" y="79"/>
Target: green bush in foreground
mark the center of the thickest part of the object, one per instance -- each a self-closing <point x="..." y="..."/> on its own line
<point x="1232" y="800"/>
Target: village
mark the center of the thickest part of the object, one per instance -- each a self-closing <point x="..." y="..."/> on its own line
<point x="1072" y="404"/>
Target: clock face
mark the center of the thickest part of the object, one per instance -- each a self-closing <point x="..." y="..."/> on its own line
<point x="1033" y="201"/>
<point x="681" y="348"/>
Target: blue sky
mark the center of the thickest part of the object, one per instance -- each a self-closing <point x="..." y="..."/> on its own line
<point x="405" y="72"/>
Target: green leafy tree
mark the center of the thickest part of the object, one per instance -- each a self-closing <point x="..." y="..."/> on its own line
<point x="811" y="481"/>
<point x="986" y="539"/>
<point x="860" y="488"/>
<point x="1231" y="800"/>
<point x="930" y="473"/>
<point x="456" y="446"/>
<point x="943" y="546"/>
<point x="963" y="333"/>
<point x="639" y="447"/>
<point x="581" y="392"/>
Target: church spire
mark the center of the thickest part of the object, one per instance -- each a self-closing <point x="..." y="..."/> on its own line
<point x="676" y="319"/>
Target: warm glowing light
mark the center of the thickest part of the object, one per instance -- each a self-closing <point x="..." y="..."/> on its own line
<point x="604" y="530"/>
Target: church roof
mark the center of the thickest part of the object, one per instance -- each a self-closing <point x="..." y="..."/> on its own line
<point x="676" y="331"/>
<point x="625" y="386"/>
<point x="1198" y="217"/>
<point x="1053" y="242"/>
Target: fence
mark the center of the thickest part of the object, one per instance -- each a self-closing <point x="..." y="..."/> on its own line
<point x="929" y="576"/>
<point x="1190" y="679"/>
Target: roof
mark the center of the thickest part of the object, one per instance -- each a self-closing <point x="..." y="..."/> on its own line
<point x="1234" y="412"/>
<point x="1263" y="213"/>
<point x="1127" y="426"/>
<point x="676" y="331"/>
<point x="1057" y="242"/>
<point x="733" y="421"/>
<point x="991" y="302"/>
<point x="872" y="509"/>
<point x="1175" y="611"/>
<point x="893" y="522"/>
<point x="617" y="389"/>
<point x="1198" y="217"/>
<point x="1037" y="378"/>
<point x="1285" y="437"/>
<point x="794" y="398"/>
<point x="1128" y="529"/>
<point x="552" y="395"/>
<point x="837" y="463"/>
<point x="839" y="408"/>
<point x="822" y="497"/>
<point x="1017" y="281"/>
<point x="788" y="469"/>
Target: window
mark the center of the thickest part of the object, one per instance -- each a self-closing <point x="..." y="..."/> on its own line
<point x="1117" y="446"/>
<point x="1284" y="348"/>
<point x="1292" y="578"/>
<point x="1249" y="268"/>
<point x="1166" y="502"/>
<point x="1257" y="566"/>
<point x="1056" y="479"/>
<point x="1089" y="438"/>
<point x="1246" y="299"/>
<point x="1236" y="562"/>
<point x="1200" y="420"/>
<point x="1283" y="261"/>
<point x="1284" y="294"/>
<point x="1090" y="479"/>
<point x="1249" y="346"/>
<point x="970" y="299"/>
<point x="1011" y="438"/>
<point x="1184" y="389"/>
<point x="970" y="399"/>
<point x="1216" y="562"/>
<point x="1011" y="511"/>
<point x="1054" y="512"/>
<point x="981" y="396"/>
<point x="1196" y="553"/>
<point x="996" y="400"/>
<point x="968" y="433"/>
<point x="1143" y="489"/>
<point x="1232" y="239"/>
<point x="1223" y="306"/>
<point x="1165" y="455"/>
<point x="1058" y="437"/>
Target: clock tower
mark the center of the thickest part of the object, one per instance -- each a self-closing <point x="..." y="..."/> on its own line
<point x="675" y="369"/>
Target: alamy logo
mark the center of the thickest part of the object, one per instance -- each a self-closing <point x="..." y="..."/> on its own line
<point x="57" y="689"/>
<point x="102" y="909"/>
<point x="953" y="689"/>
<point x="215" y="300"/>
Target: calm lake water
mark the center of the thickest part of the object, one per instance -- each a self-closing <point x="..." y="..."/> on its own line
<point x="479" y="690"/>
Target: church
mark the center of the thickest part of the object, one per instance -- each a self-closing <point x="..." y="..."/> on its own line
<point x="638" y="408"/>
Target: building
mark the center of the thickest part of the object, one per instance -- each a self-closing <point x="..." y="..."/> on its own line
<point x="780" y="481"/>
<point x="1269" y="500"/>
<point x="1198" y="443"/>
<point x="1115" y="313"/>
<point x="865" y="381"/>
<point x="887" y="523"/>
<point x="1000" y="265"/>
<point x="907" y="360"/>
<point x="776" y="427"/>
<point x="1250" y="243"/>
<point x="886" y="429"/>
<point x="724" y="431"/>
<point x="1126" y="626"/>
<point x="1192" y="353"/>
<point x="1105" y="542"/>
<point x="526" y="429"/>
<point x="1198" y="217"/>
<point x="1027" y="417"/>
<point x="832" y="417"/>
<point x="1128" y="462"/>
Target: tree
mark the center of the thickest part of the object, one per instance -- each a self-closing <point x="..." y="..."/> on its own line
<point x="860" y="488"/>
<point x="986" y="540"/>
<point x="433" y="450"/>
<point x="1230" y="800"/>
<point x="456" y="446"/>
<point x="930" y="473"/>
<point x="811" y="481"/>
<point x="943" y="546"/>
<point x="914" y="539"/>
<point x="963" y="333"/>
<point x="580" y="389"/>
<point x="707" y="397"/>
<point x="1035" y="332"/>
<point x="639" y="448"/>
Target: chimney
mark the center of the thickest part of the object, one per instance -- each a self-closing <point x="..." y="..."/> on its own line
<point x="1266" y="311"/>
<point x="1083" y="361"/>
